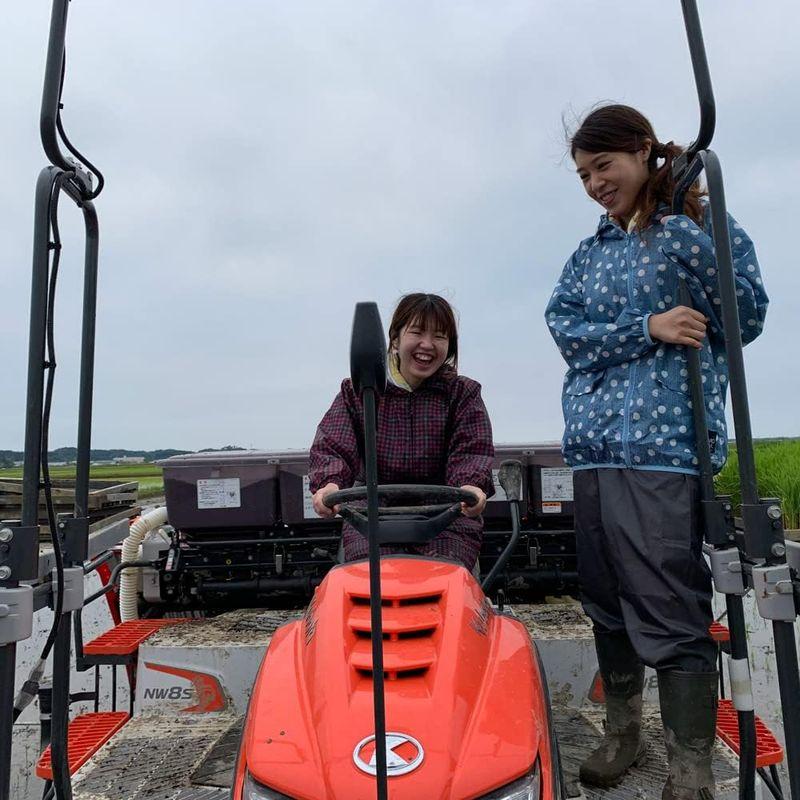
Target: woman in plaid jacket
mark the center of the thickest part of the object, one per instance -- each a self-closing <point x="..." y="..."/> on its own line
<point x="433" y="428"/>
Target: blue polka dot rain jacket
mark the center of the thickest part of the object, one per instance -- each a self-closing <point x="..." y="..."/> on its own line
<point x="626" y="397"/>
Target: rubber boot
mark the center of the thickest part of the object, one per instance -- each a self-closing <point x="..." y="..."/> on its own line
<point x="623" y="681"/>
<point x="689" y="713"/>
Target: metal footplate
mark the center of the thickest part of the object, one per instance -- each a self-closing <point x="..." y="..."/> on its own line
<point x="192" y="758"/>
<point x="579" y="732"/>
<point x="155" y="758"/>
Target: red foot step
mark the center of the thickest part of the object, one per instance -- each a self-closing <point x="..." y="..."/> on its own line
<point x="124" y="639"/>
<point x="719" y="633"/>
<point x="85" y="736"/>
<point x="768" y="749"/>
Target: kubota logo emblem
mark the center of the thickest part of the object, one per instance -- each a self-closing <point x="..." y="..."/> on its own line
<point x="403" y="754"/>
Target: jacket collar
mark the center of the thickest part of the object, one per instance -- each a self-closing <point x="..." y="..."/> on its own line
<point x="609" y="228"/>
<point x="438" y="382"/>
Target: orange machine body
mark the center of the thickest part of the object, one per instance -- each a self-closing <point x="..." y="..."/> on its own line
<point x="466" y="702"/>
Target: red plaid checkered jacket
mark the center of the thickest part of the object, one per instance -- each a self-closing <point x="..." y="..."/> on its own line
<point x="438" y="434"/>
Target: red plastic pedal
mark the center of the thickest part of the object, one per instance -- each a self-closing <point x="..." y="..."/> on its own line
<point x="85" y="736"/>
<point x="124" y="639"/>
<point x="768" y="749"/>
<point x="719" y="633"/>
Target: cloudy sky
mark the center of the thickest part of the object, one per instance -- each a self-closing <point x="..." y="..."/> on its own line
<point x="269" y="163"/>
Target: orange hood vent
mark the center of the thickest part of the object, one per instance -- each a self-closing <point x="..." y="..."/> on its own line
<point x="410" y="627"/>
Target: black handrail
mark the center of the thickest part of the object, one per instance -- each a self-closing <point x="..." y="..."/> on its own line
<point x="368" y="372"/>
<point x="762" y="544"/>
<point x="70" y="536"/>
<point x="51" y="93"/>
<point x="702" y="79"/>
<point x="717" y="519"/>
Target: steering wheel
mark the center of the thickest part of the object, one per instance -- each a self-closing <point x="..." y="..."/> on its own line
<point x="428" y="510"/>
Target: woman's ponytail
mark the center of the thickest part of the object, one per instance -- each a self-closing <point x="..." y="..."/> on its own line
<point x="661" y="184"/>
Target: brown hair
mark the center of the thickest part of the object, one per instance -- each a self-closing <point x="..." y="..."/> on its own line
<point x="618" y="128"/>
<point x="431" y="312"/>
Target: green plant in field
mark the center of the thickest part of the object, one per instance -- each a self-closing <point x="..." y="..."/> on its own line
<point x="778" y="474"/>
<point x="150" y="487"/>
<point x="148" y="476"/>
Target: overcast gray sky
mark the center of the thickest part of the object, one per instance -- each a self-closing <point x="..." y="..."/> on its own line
<point x="269" y="163"/>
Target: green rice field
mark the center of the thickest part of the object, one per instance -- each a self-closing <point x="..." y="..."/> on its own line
<point x="151" y="483"/>
<point x="778" y="472"/>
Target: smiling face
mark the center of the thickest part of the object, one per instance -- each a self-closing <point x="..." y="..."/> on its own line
<point x="421" y="350"/>
<point x="614" y="179"/>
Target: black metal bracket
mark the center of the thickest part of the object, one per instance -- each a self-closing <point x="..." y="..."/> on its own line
<point x="19" y="551"/>
<point x="720" y="527"/>
<point x="763" y="531"/>
<point x="74" y="533"/>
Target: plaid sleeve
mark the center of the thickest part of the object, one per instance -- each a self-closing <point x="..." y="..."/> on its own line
<point x="471" y="450"/>
<point x="334" y="455"/>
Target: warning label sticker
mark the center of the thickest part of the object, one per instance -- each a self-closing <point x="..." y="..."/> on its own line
<point x="551" y="508"/>
<point x="218" y="493"/>
<point x="556" y="484"/>
<point x="308" y="501"/>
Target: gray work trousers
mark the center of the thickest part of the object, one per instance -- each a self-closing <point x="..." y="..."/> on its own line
<point x="640" y="564"/>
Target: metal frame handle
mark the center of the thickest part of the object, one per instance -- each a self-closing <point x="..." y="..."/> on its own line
<point x="762" y="541"/>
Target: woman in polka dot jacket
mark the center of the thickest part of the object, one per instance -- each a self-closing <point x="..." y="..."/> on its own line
<point x="630" y="436"/>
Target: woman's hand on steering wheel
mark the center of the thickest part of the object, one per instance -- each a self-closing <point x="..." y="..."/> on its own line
<point x="318" y="501"/>
<point x="477" y="509"/>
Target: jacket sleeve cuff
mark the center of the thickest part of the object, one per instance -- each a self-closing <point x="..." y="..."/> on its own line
<point x="646" y="328"/>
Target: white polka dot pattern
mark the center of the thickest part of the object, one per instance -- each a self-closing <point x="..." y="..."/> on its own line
<point x="626" y="397"/>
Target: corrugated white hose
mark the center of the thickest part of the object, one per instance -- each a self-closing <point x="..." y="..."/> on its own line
<point x="129" y="580"/>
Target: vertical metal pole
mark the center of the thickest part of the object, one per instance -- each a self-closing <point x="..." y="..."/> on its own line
<point x="758" y="538"/>
<point x="702" y="79"/>
<point x="62" y="651"/>
<point x="691" y="167"/>
<point x="51" y="92"/>
<point x="36" y="342"/>
<point x="33" y="435"/>
<point x="733" y="602"/>
<point x="45" y="717"/>
<point x="712" y="516"/>
<point x="49" y="126"/>
<point x="731" y="328"/>
<point x="113" y="687"/>
<point x="375" y="592"/>
<point x="707" y="490"/>
<point x="87" y="362"/>
<point x="76" y="550"/>
<point x="8" y="660"/>
<point x="783" y="634"/>
<point x="746" y="718"/>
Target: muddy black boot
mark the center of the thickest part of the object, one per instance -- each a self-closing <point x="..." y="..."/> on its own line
<point x="623" y="681"/>
<point x="689" y="713"/>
